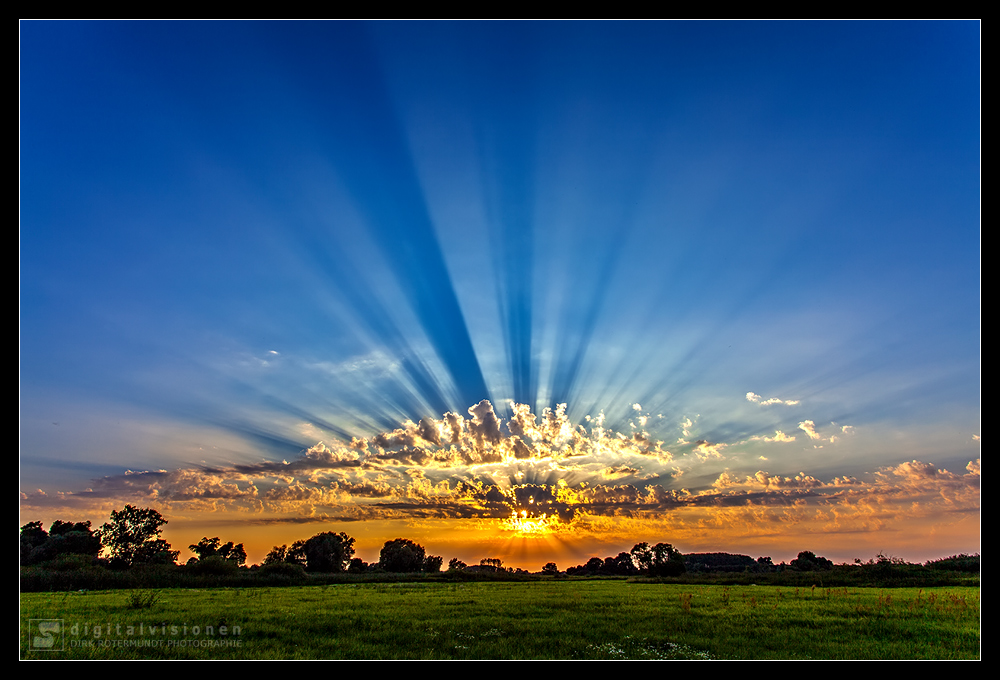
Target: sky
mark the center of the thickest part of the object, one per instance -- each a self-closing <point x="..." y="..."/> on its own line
<point x="536" y="291"/>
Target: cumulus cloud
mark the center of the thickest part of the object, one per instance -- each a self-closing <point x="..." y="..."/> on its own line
<point x="767" y="481"/>
<point x="809" y="427"/>
<point x="705" y="450"/>
<point x="485" y="425"/>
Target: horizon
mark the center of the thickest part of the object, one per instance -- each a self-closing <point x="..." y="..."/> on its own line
<point x="711" y="283"/>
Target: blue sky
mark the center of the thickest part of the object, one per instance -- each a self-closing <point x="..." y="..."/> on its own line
<point x="239" y="240"/>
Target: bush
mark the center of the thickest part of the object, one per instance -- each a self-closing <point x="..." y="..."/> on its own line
<point x="212" y="566"/>
<point x="69" y="563"/>
<point x="963" y="563"/>
<point x="282" y="569"/>
<point x="138" y="599"/>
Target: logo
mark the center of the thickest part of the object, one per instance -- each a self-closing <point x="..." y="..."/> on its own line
<point x="46" y="635"/>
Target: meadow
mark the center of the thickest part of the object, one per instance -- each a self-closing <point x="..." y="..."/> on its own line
<point x="546" y="619"/>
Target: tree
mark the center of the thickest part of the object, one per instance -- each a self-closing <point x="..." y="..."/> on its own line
<point x="62" y="538"/>
<point x="206" y="547"/>
<point x="432" y="564"/>
<point x="661" y="559"/>
<point x="667" y="561"/>
<point x="621" y="565"/>
<point x="214" y="547"/>
<point x="61" y="528"/>
<point x="550" y="568"/>
<point x="33" y="536"/>
<point x="282" y="553"/>
<point x="642" y="555"/>
<point x="277" y="555"/>
<point x="132" y="537"/>
<point x="455" y="564"/>
<point x="69" y="538"/>
<point x="808" y="561"/>
<point x="401" y="555"/>
<point x="326" y="552"/>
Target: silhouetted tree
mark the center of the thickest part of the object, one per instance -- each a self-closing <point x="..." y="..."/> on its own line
<point x="456" y="564"/>
<point x="326" y="552"/>
<point x="667" y="561"/>
<point x="661" y="559"/>
<point x="62" y="538"/>
<point x="642" y="556"/>
<point x="77" y="538"/>
<point x="494" y="562"/>
<point x="282" y="553"/>
<point x="33" y="536"/>
<point x="214" y="547"/>
<point x="432" y="564"/>
<point x="621" y="565"/>
<point x="61" y="528"/>
<point x="808" y="561"/>
<point x="278" y="554"/>
<point x="401" y="555"/>
<point x="550" y="569"/>
<point x="132" y="536"/>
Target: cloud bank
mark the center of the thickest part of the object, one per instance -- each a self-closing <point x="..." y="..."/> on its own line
<point x="541" y="469"/>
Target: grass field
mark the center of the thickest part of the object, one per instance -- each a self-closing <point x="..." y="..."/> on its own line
<point x="558" y="619"/>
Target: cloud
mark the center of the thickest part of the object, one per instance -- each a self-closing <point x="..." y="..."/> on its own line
<point x="779" y="436"/>
<point x="485" y="425"/>
<point x="757" y="399"/>
<point x="538" y="469"/>
<point x="809" y="427"/>
<point x="705" y="450"/>
<point x="767" y="481"/>
<point x="619" y="471"/>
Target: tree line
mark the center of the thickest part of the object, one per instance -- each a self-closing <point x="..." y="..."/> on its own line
<point x="132" y="538"/>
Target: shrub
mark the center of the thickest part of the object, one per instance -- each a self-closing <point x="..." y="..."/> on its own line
<point x="138" y="599"/>
<point x="215" y="565"/>
<point x="282" y="570"/>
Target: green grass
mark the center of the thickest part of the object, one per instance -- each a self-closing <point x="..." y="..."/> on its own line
<point x="565" y="619"/>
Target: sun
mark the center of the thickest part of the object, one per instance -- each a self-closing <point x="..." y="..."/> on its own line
<point x="523" y="525"/>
